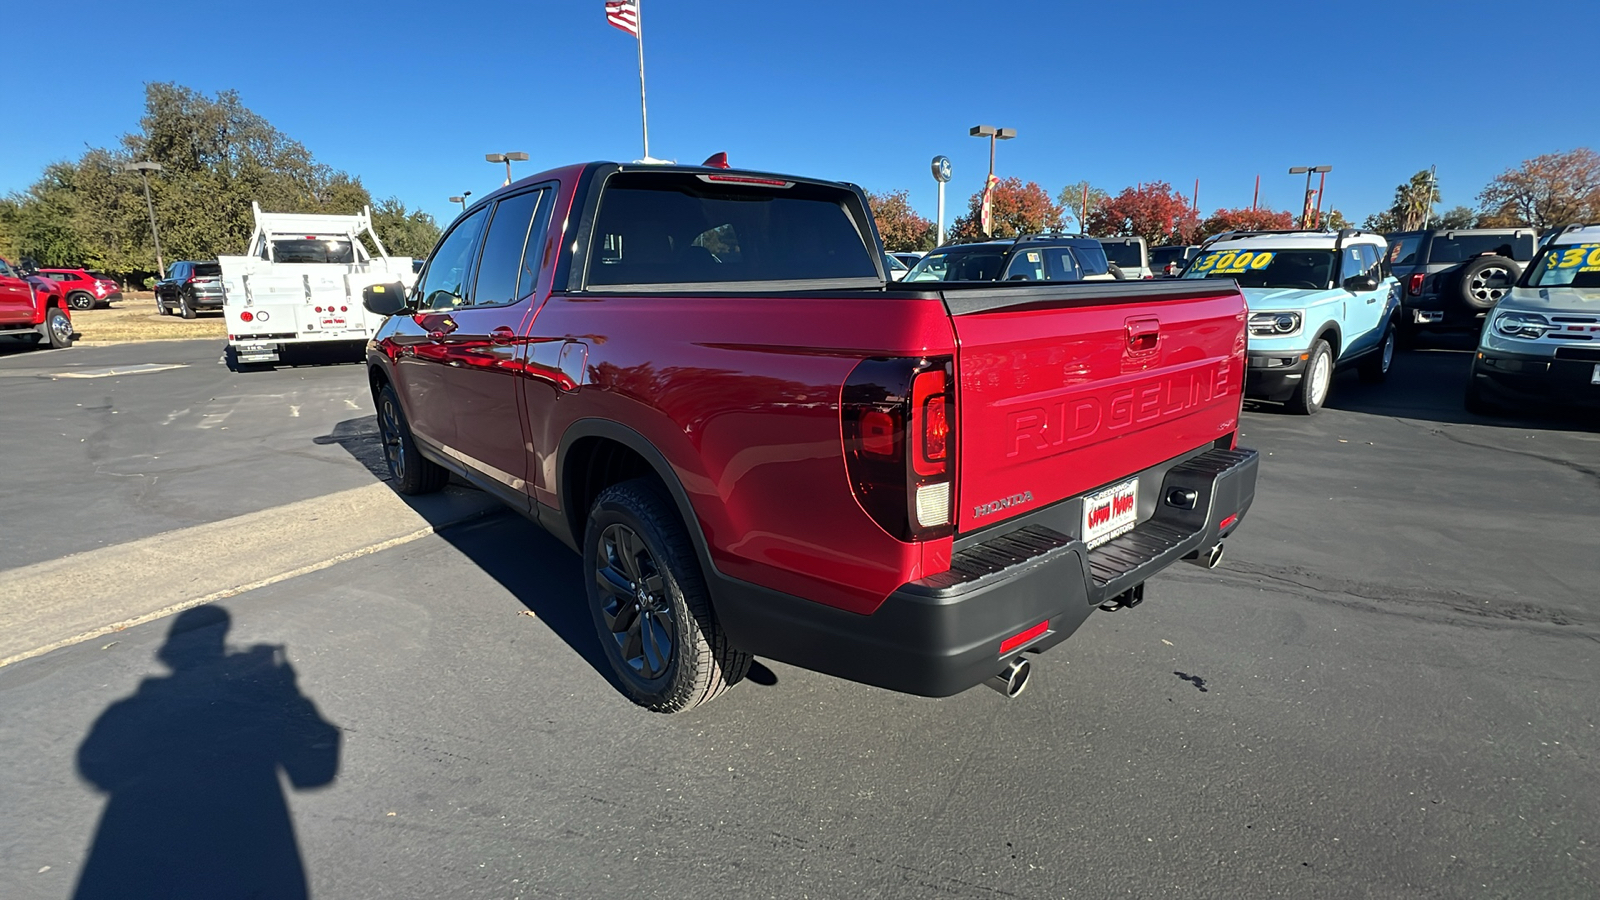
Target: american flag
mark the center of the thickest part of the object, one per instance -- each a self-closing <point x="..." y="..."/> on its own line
<point x="624" y="14"/>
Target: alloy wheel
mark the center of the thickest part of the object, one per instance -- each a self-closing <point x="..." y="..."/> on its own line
<point x="1488" y="285"/>
<point x="394" y="450"/>
<point x="1388" y="350"/>
<point x="633" y="602"/>
<point x="61" y="328"/>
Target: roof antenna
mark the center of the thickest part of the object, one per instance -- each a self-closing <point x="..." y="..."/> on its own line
<point x="717" y="161"/>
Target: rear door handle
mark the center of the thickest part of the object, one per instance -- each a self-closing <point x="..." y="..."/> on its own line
<point x="502" y="335"/>
<point x="1144" y="332"/>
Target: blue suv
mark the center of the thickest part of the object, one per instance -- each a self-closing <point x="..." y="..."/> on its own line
<point x="1319" y="301"/>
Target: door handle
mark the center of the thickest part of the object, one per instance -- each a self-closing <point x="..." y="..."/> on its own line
<point x="1144" y="332"/>
<point x="502" y="335"/>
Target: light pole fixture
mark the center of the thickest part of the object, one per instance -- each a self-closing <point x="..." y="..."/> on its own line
<point x="462" y="199"/>
<point x="508" y="159"/>
<point x="941" y="175"/>
<point x="993" y="134"/>
<point x="144" y="169"/>
<point x="1320" y="170"/>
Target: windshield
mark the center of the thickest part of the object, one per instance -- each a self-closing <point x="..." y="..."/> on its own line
<point x="313" y="250"/>
<point x="1304" y="269"/>
<point x="1448" y="248"/>
<point x="1125" y="255"/>
<point x="980" y="263"/>
<point x="1568" y="265"/>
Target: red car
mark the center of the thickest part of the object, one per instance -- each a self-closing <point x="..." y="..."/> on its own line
<point x="84" y="289"/>
<point x="703" y="381"/>
<point x="31" y="308"/>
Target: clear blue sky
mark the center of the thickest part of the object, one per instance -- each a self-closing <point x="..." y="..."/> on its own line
<point x="409" y="96"/>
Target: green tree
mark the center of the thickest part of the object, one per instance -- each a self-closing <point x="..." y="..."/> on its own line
<point x="1412" y="207"/>
<point x="1072" y="198"/>
<point x="1458" y="217"/>
<point x="404" y="233"/>
<point x="217" y="156"/>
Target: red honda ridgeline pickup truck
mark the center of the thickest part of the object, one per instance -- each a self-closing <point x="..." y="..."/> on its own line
<point x="703" y="380"/>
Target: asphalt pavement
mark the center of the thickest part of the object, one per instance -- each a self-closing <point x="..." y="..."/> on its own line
<point x="1387" y="690"/>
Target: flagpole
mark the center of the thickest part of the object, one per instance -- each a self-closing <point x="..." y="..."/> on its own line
<point x="644" y="113"/>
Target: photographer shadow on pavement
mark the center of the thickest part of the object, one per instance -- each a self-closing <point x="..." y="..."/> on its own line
<point x="190" y="763"/>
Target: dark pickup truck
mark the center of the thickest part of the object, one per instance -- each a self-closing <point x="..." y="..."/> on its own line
<point x="702" y="380"/>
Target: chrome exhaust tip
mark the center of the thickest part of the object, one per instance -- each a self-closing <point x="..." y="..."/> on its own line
<point x="1209" y="558"/>
<point x="1012" y="679"/>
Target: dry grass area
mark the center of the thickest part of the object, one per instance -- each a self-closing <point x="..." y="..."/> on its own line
<point x="134" y="318"/>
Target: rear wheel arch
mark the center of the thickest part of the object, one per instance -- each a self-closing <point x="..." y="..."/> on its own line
<point x="597" y="453"/>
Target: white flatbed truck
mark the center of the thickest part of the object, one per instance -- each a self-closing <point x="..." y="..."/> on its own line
<point x="300" y="282"/>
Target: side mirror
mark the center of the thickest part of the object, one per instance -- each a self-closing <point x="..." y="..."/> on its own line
<point x="1366" y="281"/>
<point x="384" y="299"/>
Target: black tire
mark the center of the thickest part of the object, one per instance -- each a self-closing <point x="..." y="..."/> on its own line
<point x="412" y="473"/>
<point x="645" y="587"/>
<point x="184" y="307"/>
<point x="1317" y="381"/>
<point x="1116" y="272"/>
<point x="1482" y="282"/>
<point x="161" y="306"/>
<point x="1374" y="369"/>
<point x="80" y="300"/>
<point x="57" y="328"/>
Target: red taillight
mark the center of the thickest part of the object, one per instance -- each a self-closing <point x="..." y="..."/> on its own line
<point x="1018" y="640"/>
<point x="897" y="416"/>
<point x="1228" y="522"/>
<point x="319" y="309"/>
<point x="344" y="309"/>
<point x="930" y="422"/>
<point x="1415" y="287"/>
<point x="246" y="316"/>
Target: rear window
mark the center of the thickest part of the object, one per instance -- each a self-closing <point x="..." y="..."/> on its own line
<point x="1160" y="257"/>
<point x="101" y="275"/>
<point x="1403" y="250"/>
<point x="313" y="250"/>
<point x="657" y="228"/>
<point x="1123" y="255"/>
<point x="1462" y="247"/>
<point x="203" y="270"/>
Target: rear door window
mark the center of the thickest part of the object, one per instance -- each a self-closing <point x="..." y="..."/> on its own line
<point x="662" y="229"/>
<point x="1123" y="254"/>
<point x="506" y="273"/>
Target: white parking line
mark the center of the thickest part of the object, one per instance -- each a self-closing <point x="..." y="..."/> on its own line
<point x="140" y="369"/>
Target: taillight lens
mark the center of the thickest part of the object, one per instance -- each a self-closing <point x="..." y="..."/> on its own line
<point x="1415" y="287"/>
<point x="898" y="419"/>
<point x="246" y="316"/>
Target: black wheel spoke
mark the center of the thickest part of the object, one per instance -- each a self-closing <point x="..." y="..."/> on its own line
<point x="633" y="604"/>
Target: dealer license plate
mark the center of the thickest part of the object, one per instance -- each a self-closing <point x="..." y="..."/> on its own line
<point x="1110" y="512"/>
<point x="1594" y="377"/>
<point x="333" y="322"/>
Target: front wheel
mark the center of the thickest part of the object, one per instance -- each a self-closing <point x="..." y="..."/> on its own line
<point x="81" y="301"/>
<point x="650" y="603"/>
<point x="1375" y="368"/>
<point x="1314" y="384"/>
<point x="57" y="328"/>
<point x="411" y="473"/>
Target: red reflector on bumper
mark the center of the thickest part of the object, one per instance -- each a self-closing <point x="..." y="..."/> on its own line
<point x="1018" y="640"/>
<point x="1228" y="522"/>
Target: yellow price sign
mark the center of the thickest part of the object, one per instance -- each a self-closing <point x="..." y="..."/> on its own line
<point x="1234" y="262"/>
<point x="1583" y="257"/>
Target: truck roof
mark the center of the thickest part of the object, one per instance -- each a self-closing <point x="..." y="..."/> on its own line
<point x="1578" y="234"/>
<point x="1294" y="240"/>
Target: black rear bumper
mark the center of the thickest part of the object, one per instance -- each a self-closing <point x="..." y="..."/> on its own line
<point x="941" y="635"/>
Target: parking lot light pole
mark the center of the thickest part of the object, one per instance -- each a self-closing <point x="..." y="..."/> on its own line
<point x="144" y="169"/>
<point x="993" y="134"/>
<point x="1320" y="170"/>
<point x="508" y="159"/>
<point x="462" y="199"/>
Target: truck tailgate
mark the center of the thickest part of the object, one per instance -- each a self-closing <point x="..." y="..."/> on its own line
<point x="1069" y="388"/>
